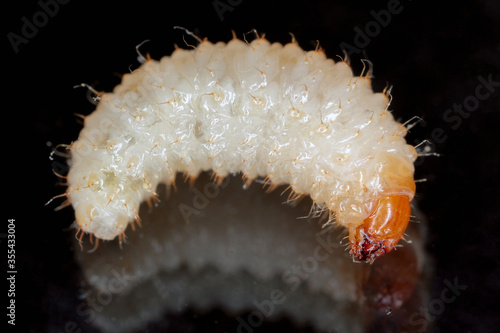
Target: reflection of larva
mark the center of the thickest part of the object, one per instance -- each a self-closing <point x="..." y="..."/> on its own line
<point x="262" y="109"/>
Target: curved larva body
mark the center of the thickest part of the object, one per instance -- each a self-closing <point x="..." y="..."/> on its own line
<point x="262" y="109"/>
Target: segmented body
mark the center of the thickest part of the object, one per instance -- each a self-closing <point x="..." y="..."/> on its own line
<point x="264" y="110"/>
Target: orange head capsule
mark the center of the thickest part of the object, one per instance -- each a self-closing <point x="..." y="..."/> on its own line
<point x="382" y="230"/>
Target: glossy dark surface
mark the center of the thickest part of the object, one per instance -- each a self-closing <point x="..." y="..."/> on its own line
<point x="432" y="54"/>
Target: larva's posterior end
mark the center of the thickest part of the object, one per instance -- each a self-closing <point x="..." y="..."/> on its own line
<point x="103" y="221"/>
<point x="382" y="230"/>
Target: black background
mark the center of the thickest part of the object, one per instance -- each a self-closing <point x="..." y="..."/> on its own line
<point x="432" y="53"/>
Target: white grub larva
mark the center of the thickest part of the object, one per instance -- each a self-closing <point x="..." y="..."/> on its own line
<point x="261" y="109"/>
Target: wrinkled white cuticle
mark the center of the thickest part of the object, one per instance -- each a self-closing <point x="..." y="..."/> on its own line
<point x="262" y="109"/>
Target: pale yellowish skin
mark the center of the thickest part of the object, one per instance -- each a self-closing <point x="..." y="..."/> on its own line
<point x="264" y="110"/>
